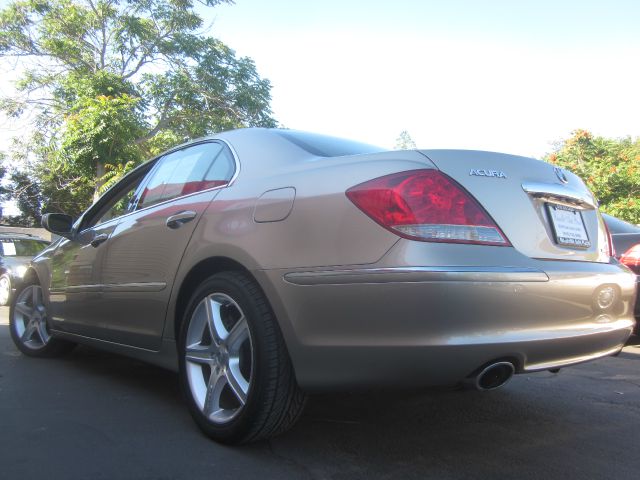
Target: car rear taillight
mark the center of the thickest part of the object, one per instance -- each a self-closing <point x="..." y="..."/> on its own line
<point x="611" y="246"/>
<point x="426" y="205"/>
<point x="631" y="258"/>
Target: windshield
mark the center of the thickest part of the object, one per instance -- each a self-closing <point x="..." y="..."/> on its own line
<point x="325" y="146"/>
<point x="19" y="247"/>
<point x="616" y="225"/>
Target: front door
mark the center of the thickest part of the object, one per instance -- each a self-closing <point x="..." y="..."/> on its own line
<point x="76" y="291"/>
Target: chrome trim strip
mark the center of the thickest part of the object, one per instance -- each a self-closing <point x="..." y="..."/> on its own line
<point x="159" y="204"/>
<point x="77" y="289"/>
<point x="417" y="274"/>
<point x="135" y="287"/>
<point x="235" y="158"/>
<point x="115" y="287"/>
<point x="220" y="187"/>
<point x="560" y="194"/>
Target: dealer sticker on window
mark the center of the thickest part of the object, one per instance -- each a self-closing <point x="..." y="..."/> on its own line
<point x="568" y="226"/>
<point x="9" y="249"/>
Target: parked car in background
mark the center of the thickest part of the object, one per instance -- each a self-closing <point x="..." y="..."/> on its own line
<point x="264" y="264"/>
<point x="626" y="241"/>
<point x="16" y="251"/>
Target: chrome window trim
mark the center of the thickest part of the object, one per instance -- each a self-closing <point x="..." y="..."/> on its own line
<point x="156" y="205"/>
<point x="236" y="161"/>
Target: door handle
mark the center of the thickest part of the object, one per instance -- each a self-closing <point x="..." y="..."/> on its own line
<point x="98" y="239"/>
<point x="179" y="219"/>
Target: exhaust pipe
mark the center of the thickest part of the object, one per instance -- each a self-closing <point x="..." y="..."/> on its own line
<point x="492" y="376"/>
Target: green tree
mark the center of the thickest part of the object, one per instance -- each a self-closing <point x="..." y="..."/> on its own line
<point x="404" y="141"/>
<point x="28" y="198"/>
<point x="112" y="82"/>
<point x="4" y="190"/>
<point x="609" y="167"/>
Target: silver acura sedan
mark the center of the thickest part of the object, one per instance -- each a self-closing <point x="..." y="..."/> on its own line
<point x="264" y="264"/>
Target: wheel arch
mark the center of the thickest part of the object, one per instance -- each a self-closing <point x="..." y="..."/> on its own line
<point x="198" y="273"/>
<point x="31" y="275"/>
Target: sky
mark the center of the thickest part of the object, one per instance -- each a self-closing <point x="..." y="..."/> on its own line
<point x="509" y="76"/>
<point x="493" y="75"/>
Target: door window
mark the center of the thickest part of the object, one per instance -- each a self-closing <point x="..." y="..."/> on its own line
<point x="118" y="201"/>
<point x="186" y="171"/>
<point x="121" y="204"/>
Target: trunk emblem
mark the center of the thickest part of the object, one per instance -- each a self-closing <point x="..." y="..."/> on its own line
<point x="561" y="175"/>
<point x="481" y="172"/>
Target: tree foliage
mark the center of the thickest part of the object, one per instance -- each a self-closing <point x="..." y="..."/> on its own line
<point x="609" y="167"/>
<point x="112" y="82"/>
<point x="404" y="141"/>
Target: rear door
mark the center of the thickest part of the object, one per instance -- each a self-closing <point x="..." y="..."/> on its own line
<point x="146" y="247"/>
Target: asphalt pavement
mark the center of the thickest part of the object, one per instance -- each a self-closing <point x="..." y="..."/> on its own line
<point x="94" y="415"/>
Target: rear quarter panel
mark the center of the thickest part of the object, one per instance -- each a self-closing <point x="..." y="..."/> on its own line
<point x="323" y="228"/>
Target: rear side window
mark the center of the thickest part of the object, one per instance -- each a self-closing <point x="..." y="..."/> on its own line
<point x="21" y="247"/>
<point x="186" y="171"/>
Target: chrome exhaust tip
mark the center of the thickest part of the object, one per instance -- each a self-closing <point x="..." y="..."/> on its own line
<point x="492" y="376"/>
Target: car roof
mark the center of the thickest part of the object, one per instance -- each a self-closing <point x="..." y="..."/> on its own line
<point x="21" y="236"/>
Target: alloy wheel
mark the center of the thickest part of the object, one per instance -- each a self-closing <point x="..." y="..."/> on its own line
<point x="31" y="318"/>
<point x="5" y="290"/>
<point x="219" y="357"/>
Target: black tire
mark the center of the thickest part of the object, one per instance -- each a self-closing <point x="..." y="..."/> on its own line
<point x="6" y="300"/>
<point x="40" y="343"/>
<point x="273" y="401"/>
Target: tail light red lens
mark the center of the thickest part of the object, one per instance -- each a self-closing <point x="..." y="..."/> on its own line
<point x="631" y="258"/>
<point x="612" y="248"/>
<point x="426" y="205"/>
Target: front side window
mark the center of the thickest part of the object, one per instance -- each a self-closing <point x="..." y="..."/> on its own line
<point x="186" y="171"/>
<point x="119" y="200"/>
<point x="121" y="204"/>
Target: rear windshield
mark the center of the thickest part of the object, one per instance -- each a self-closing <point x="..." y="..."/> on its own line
<point x="19" y="247"/>
<point x="325" y="146"/>
<point x="615" y="225"/>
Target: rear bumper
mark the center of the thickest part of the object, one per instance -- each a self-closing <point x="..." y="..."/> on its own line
<point x="418" y="326"/>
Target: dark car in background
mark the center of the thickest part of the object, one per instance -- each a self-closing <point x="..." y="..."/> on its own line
<point x="16" y="251"/>
<point x="626" y="242"/>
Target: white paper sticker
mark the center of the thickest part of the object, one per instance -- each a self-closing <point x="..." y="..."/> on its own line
<point x="9" y="249"/>
<point x="569" y="227"/>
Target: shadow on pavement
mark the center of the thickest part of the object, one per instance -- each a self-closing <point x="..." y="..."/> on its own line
<point x="106" y="406"/>
<point x="634" y="341"/>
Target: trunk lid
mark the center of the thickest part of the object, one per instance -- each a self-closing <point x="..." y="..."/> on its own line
<point x="545" y="213"/>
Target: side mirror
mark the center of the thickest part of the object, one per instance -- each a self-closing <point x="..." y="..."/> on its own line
<point x="58" y="224"/>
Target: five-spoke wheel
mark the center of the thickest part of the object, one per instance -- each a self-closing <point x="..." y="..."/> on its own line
<point x="219" y="356"/>
<point x="29" y="326"/>
<point x="5" y="289"/>
<point x="31" y="318"/>
<point x="234" y="366"/>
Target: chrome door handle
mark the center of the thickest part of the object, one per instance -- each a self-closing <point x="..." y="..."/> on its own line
<point x="98" y="239"/>
<point x="179" y="219"/>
